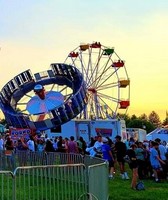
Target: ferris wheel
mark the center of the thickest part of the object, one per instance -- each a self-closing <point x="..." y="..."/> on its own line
<point x="106" y="77"/>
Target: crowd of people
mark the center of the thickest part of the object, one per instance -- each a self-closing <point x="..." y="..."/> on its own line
<point x="10" y="146"/>
<point x="147" y="159"/>
<point x="41" y="144"/>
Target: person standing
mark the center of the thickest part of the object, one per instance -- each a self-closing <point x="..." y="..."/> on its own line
<point x="31" y="144"/>
<point x="66" y="144"/>
<point x="21" y="150"/>
<point x="140" y="154"/>
<point x="95" y="150"/>
<point x="81" y="145"/>
<point x="21" y="144"/>
<point x="133" y="164"/>
<point x="40" y="145"/>
<point x="155" y="160"/>
<point x="98" y="146"/>
<point x="9" y="152"/>
<point x="49" y="146"/>
<point x="1" y="143"/>
<point x="121" y="149"/>
<point x="72" y="145"/>
<point x="60" y="147"/>
<point x="107" y="155"/>
<point x="162" y="155"/>
<point x="55" y="143"/>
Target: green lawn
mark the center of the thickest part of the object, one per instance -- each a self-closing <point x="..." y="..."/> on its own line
<point x="120" y="189"/>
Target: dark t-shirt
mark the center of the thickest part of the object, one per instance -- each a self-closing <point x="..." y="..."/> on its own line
<point x="132" y="156"/>
<point x="9" y="145"/>
<point x="120" y="149"/>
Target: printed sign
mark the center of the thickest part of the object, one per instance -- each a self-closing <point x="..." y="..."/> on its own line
<point x="105" y="132"/>
<point x="17" y="133"/>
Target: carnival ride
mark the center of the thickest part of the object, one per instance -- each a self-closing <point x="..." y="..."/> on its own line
<point x="47" y="109"/>
<point x="106" y="77"/>
<point x="90" y="84"/>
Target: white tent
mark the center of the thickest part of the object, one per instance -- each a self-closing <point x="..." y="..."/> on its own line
<point x="161" y="133"/>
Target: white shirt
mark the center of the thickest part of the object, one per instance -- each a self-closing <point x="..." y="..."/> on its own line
<point x="98" y="146"/>
<point x="31" y="145"/>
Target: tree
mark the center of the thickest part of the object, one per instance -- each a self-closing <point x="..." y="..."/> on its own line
<point x="140" y="123"/>
<point x="135" y="123"/>
<point x="144" y="117"/>
<point x="149" y="127"/>
<point x="134" y="117"/>
<point x="154" y="119"/>
<point x="165" y="121"/>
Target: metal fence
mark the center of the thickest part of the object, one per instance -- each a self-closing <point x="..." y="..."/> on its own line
<point x="97" y="181"/>
<point x="56" y="176"/>
<point x="6" y="185"/>
<point x="28" y="158"/>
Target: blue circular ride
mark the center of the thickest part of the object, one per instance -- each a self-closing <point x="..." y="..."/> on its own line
<point x="44" y="100"/>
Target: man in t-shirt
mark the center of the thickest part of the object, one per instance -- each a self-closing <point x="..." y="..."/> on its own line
<point x="162" y="155"/>
<point x="72" y="145"/>
<point x="155" y="160"/>
<point x="121" y="149"/>
<point x="96" y="150"/>
<point x="108" y="156"/>
<point x="31" y="144"/>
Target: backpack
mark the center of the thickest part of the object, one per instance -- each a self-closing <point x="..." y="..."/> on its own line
<point x="140" y="186"/>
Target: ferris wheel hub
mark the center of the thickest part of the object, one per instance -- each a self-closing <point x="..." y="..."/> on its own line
<point x="93" y="90"/>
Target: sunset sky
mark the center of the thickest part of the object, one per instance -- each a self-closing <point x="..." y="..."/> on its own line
<point x="36" y="33"/>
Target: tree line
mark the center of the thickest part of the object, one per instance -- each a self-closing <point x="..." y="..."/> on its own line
<point x="150" y="122"/>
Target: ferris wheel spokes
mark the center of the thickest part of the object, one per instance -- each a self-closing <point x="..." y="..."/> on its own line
<point x="105" y="77"/>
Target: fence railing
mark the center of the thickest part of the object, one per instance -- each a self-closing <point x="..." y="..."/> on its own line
<point x="97" y="182"/>
<point x="56" y="176"/>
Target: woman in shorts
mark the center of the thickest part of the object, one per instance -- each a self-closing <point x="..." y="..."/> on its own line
<point x="133" y="164"/>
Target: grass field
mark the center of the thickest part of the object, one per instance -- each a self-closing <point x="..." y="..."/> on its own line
<point x="120" y="189"/>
